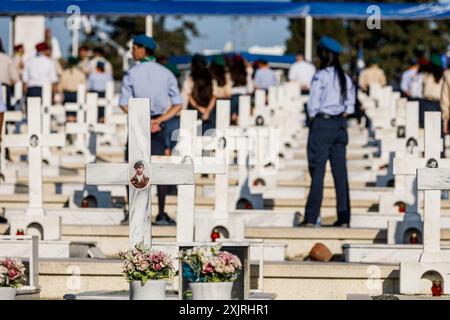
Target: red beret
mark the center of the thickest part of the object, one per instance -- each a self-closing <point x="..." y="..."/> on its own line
<point x="18" y="46"/>
<point x="43" y="46"/>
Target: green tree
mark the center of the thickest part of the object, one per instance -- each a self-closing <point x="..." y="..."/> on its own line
<point x="395" y="44"/>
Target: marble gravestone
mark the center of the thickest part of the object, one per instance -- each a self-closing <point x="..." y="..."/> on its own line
<point x="35" y="217"/>
<point x="139" y="166"/>
<point x="245" y="198"/>
<point x="416" y="277"/>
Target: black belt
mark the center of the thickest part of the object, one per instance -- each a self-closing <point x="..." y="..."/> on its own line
<point x="329" y="116"/>
<point x="155" y="116"/>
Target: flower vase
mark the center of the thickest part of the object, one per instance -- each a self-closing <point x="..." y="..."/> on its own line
<point x="7" y="293"/>
<point x="151" y="290"/>
<point x="211" y="290"/>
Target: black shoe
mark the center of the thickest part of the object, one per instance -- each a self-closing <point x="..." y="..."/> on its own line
<point x="164" y="220"/>
<point x="306" y="225"/>
<point x="341" y="225"/>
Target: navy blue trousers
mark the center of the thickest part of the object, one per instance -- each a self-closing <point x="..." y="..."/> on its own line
<point x="327" y="140"/>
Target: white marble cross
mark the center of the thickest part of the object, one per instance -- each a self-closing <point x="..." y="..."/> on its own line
<point x="126" y="173"/>
<point x="90" y="128"/>
<point x="35" y="140"/>
<point x="9" y="116"/>
<point x="187" y="147"/>
<point x="221" y="184"/>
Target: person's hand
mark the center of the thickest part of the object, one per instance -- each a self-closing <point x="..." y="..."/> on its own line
<point x="155" y="126"/>
<point x="205" y="116"/>
<point x="445" y="127"/>
<point x="345" y="114"/>
<point x="202" y="110"/>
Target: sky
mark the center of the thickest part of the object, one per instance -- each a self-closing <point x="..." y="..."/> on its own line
<point x="214" y="32"/>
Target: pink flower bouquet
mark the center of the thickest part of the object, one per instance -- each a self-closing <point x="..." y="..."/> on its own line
<point x="12" y="273"/>
<point x="210" y="264"/>
<point x="143" y="264"/>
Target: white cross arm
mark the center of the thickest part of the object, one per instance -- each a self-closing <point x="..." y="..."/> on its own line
<point x="53" y="140"/>
<point x="433" y="179"/>
<point x="76" y="128"/>
<point x="104" y="128"/>
<point x="71" y="106"/>
<point x="201" y="164"/>
<point x="160" y="174"/>
<point x="16" y="140"/>
<point x="13" y="116"/>
<point x="408" y="166"/>
<point x="106" y="174"/>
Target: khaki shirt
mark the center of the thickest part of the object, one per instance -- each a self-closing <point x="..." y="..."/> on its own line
<point x="70" y="79"/>
<point x="8" y="71"/>
<point x="223" y="92"/>
<point x="373" y="74"/>
<point x="445" y="96"/>
<point x="431" y="89"/>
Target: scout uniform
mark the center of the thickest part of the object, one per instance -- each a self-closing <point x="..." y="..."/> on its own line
<point x="151" y="80"/>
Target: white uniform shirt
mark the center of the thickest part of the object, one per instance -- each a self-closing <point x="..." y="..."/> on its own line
<point x="39" y="70"/>
<point x="302" y="72"/>
<point x="2" y="104"/>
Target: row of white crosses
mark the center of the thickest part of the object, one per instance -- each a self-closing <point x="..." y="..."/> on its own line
<point x="433" y="175"/>
<point x="404" y="148"/>
<point x="89" y="128"/>
<point x="35" y="140"/>
<point x="408" y="167"/>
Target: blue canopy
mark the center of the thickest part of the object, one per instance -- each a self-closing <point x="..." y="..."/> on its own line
<point x="346" y="10"/>
<point x="283" y="61"/>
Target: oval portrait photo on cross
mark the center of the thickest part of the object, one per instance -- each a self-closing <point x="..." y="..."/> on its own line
<point x="139" y="175"/>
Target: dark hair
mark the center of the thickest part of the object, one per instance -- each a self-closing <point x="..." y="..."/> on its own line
<point x="330" y="59"/>
<point x="202" y="90"/>
<point x="1" y="46"/>
<point x="218" y="73"/>
<point x="149" y="52"/>
<point x="138" y="164"/>
<point x="239" y="73"/>
<point x="99" y="50"/>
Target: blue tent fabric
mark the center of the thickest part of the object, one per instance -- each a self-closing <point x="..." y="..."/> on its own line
<point x="346" y="10"/>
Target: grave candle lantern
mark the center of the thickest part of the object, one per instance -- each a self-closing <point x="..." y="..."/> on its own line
<point x="215" y="235"/>
<point x="401" y="207"/>
<point x="413" y="239"/>
<point x="20" y="232"/>
<point x="84" y="203"/>
<point x="436" y="289"/>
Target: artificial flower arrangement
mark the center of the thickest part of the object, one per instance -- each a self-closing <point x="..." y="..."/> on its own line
<point x="210" y="264"/>
<point x="142" y="264"/>
<point x="12" y="273"/>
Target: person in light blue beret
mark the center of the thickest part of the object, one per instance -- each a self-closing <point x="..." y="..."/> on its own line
<point x="331" y="100"/>
<point x="149" y="79"/>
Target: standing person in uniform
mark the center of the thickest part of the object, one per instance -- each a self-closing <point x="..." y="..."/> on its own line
<point x="39" y="70"/>
<point x="148" y="79"/>
<point x="265" y="77"/>
<point x="2" y="112"/>
<point x="198" y="90"/>
<point x="302" y="71"/>
<point x="97" y="82"/>
<point x="331" y="100"/>
<point x="68" y="86"/>
<point x="372" y="74"/>
<point x="8" y="75"/>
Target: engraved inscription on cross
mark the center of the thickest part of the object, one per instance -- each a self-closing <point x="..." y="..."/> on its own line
<point x="140" y="173"/>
